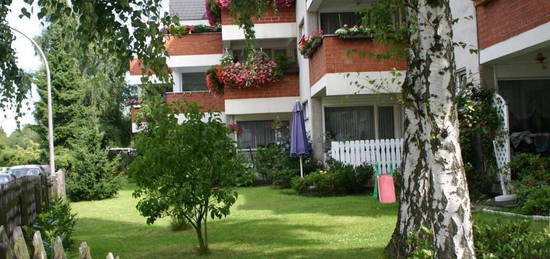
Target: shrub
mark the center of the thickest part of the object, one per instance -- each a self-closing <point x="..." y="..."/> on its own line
<point x="532" y="174"/>
<point x="178" y="224"/>
<point x="91" y="174"/>
<point x="531" y="167"/>
<point x="319" y="183"/>
<point x="422" y="244"/>
<point x="269" y="159"/>
<point x="533" y="200"/>
<point x="510" y="240"/>
<point x="479" y="126"/>
<point x="340" y="180"/>
<point x="55" y="220"/>
<point x="283" y="178"/>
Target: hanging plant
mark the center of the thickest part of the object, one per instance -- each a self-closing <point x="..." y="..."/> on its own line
<point x="308" y="45"/>
<point x="213" y="12"/>
<point x="255" y="72"/>
<point x="234" y="128"/>
<point x="284" y="3"/>
<point x="212" y="82"/>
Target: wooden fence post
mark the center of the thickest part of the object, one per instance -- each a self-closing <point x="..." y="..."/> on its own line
<point x="84" y="250"/>
<point x="39" y="251"/>
<point x="61" y="193"/>
<point x="20" y="247"/>
<point x="6" y="252"/>
<point x="58" y="251"/>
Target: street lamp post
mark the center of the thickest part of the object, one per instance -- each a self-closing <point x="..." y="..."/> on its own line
<point x="50" y="113"/>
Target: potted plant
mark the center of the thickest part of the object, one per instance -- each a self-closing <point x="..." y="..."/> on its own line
<point x="308" y="45"/>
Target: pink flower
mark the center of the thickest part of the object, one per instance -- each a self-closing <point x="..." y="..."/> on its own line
<point x="224" y="4"/>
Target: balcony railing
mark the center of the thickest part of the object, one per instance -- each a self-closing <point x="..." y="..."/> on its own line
<point x="286" y="87"/>
<point x="284" y="15"/>
<point x="336" y="55"/>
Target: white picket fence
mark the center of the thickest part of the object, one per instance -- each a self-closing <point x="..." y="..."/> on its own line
<point x="386" y="153"/>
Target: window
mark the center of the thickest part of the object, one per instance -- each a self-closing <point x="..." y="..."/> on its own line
<point x="385" y="122"/>
<point x="461" y="79"/>
<point x="528" y="105"/>
<point x="330" y="22"/>
<point x="350" y="123"/>
<point x="305" y="110"/>
<point x="193" y="82"/>
<point x="260" y="133"/>
<point x="239" y="55"/>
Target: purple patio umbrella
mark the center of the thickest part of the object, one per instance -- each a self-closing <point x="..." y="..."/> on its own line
<point x="298" y="139"/>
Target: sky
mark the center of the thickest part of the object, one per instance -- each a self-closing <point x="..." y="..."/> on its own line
<point x="27" y="60"/>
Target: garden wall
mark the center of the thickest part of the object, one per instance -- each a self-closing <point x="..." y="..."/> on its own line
<point x="22" y="200"/>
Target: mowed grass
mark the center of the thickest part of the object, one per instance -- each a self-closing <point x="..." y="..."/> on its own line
<point x="264" y="223"/>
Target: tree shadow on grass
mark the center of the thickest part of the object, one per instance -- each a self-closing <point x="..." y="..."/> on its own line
<point x="355" y="205"/>
<point x="228" y="238"/>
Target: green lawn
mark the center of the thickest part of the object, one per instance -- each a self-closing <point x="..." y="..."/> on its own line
<point x="264" y="222"/>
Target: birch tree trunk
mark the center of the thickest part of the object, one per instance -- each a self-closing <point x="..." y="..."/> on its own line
<point x="434" y="188"/>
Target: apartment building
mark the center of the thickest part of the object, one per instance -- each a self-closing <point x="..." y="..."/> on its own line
<point x="514" y="55"/>
<point x="334" y="86"/>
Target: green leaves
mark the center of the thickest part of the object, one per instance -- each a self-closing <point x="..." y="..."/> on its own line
<point x="103" y="22"/>
<point x="24" y="13"/>
<point x="185" y="170"/>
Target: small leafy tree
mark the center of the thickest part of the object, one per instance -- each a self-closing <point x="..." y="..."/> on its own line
<point x="185" y="170"/>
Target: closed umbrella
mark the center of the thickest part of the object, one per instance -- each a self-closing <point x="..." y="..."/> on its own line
<point x="299" y="145"/>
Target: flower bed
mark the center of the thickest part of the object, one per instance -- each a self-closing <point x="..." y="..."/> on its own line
<point x="308" y="45"/>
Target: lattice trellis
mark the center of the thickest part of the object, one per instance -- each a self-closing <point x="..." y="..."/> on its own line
<point x="502" y="144"/>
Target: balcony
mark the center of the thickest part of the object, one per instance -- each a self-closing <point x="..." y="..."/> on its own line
<point x="277" y="97"/>
<point x="208" y="101"/>
<point x="335" y="70"/>
<point x="506" y="27"/>
<point x="194" y="50"/>
<point x="271" y="25"/>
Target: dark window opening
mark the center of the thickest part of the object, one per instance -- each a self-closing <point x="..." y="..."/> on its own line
<point x="330" y="22"/>
<point x="193" y="82"/>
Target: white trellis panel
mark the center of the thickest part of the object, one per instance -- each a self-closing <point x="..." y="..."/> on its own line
<point x="502" y="144"/>
<point x="386" y="153"/>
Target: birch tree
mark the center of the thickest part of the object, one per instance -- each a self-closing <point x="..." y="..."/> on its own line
<point x="434" y="189"/>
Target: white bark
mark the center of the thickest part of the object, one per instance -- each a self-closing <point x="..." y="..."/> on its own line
<point x="435" y="192"/>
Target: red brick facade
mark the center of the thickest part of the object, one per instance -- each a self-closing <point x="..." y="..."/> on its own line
<point x="288" y="86"/>
<point x="206" y="100"/>
<point x="331" y="58"/>
<point x="194" y="44"/>
<point x="282" y="16"/>
<point x="135" y="67"/>
<point x="133" y="113"/>
<point x="499" y="20"/>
